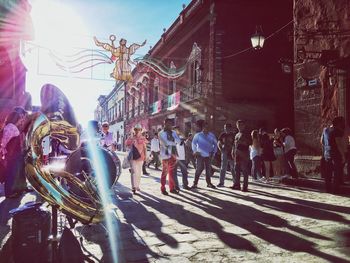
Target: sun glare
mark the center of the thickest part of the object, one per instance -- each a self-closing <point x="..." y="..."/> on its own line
<point x="57" y="26"/>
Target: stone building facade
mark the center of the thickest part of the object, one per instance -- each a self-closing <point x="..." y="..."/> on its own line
<point x="225" y="79"/>
<point x="321" y="72"/>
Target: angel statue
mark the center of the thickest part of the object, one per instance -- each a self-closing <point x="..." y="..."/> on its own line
<point x="121" y="55"/>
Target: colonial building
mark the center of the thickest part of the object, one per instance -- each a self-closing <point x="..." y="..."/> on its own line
<point x="137" y="99"/>
<point x="225" y="78"/>
<point x="321" y="72"/>
<point x="111" y="109"/>
<point x="15" y="26"/>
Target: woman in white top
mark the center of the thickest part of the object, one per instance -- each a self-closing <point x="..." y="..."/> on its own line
<point x="289" y="151"/>
<point x="255" y="152"/>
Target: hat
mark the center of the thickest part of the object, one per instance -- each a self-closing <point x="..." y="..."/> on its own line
<point x="138" y="126"/>
<point x="105" y="123"/>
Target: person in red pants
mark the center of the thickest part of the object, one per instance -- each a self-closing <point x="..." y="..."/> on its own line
<point x="168" y="140"/>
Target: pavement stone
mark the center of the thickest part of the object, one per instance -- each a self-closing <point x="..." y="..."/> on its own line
<point x="270" y="223"/>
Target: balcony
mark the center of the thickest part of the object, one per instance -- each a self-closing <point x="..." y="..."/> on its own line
<point x="194" y="92"/>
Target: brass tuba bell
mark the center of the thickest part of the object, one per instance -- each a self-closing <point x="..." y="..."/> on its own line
<point x="71" y="188"/>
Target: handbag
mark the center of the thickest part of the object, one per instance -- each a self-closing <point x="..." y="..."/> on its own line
<point x="126" y="163"/>
<point x="135" y="153"/>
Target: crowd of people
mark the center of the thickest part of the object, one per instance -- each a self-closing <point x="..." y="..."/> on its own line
<point x="256" y="153"/>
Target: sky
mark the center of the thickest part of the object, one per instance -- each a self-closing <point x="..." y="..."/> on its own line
<point x="65" y="27"/>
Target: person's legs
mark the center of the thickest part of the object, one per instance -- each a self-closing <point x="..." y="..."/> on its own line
<point x="133" y="174"/>
<point x="152" y="160"/>
<point x="291" y="165"/>
<point x="183" y="168"/>
<point x="232" y="167"/>
<point x="199" y="169"/>
<point x="267" y="169"/>
<point x="245" y="171"/>
<point x="328" y="172"/>
<point x="164" y="174"/>
<point x="236" y="182"/>
<point x="338" y="173"/>
<point x="171" y="170"/>
<point x="194" y="162"/>
<point x="137" y="167"/>
<point x="223" y="169"/>
<point x="176" y="180"/>
<point x="254" y="171"/>
<point x="157" y="161"/>
<point x="208" y="171"/>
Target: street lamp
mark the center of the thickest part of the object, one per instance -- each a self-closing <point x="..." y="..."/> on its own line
<point x="257" y="38"/>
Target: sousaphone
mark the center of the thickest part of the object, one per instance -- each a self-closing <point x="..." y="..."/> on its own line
<point x="72" y="188"/>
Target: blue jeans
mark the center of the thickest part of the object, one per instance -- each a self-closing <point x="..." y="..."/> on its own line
<point x="256" y="167"/>
<point x="241" y="167"/>
<point x="203" y="162"/>
<point x="224" y="162"/>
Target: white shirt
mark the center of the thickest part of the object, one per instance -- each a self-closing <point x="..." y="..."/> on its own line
<point x="289" y="143"/>
<point x="253" y="151"/>
<point x="181" y="152"/>
<point x="165" y="144"/>
<point x="155" y="145"/>
<point x="107" y="139"/>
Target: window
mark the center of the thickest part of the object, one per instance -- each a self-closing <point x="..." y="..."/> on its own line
<point x="156" y="90"/>
<point x="172" y="87"/>
<point x="172" y="83"/>
<point x="195" y="62"/>
<point x="194" y="73"/>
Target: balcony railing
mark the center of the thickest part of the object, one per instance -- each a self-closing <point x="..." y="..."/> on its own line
<point x="195" y="91"/>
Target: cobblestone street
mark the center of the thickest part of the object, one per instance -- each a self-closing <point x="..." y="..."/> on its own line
<point x="270" y="223"/>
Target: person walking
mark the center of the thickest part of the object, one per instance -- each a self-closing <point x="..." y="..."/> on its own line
<point x="204" y="146"/>
<point x="331" y="141"/>
<point x="137" y="143"/>
<point x="241" y="156"/>
<point x="225" y="144"/>
<point x="155" y="151"/>
<point x="181" y="162"/>
<point x="168" y="140"/>
<point x="255" y="156"/>
<point x="289" y="151"/>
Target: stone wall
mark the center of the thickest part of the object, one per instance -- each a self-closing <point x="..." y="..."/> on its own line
<point x="319" y="89"/>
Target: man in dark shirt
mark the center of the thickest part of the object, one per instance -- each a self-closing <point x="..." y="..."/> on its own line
<point x="225" y="144"/>
<point x="334" y="158"/>
<point x="241" y="156"/>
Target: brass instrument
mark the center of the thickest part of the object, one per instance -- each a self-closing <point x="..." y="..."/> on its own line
<point x="72" y="190"/>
